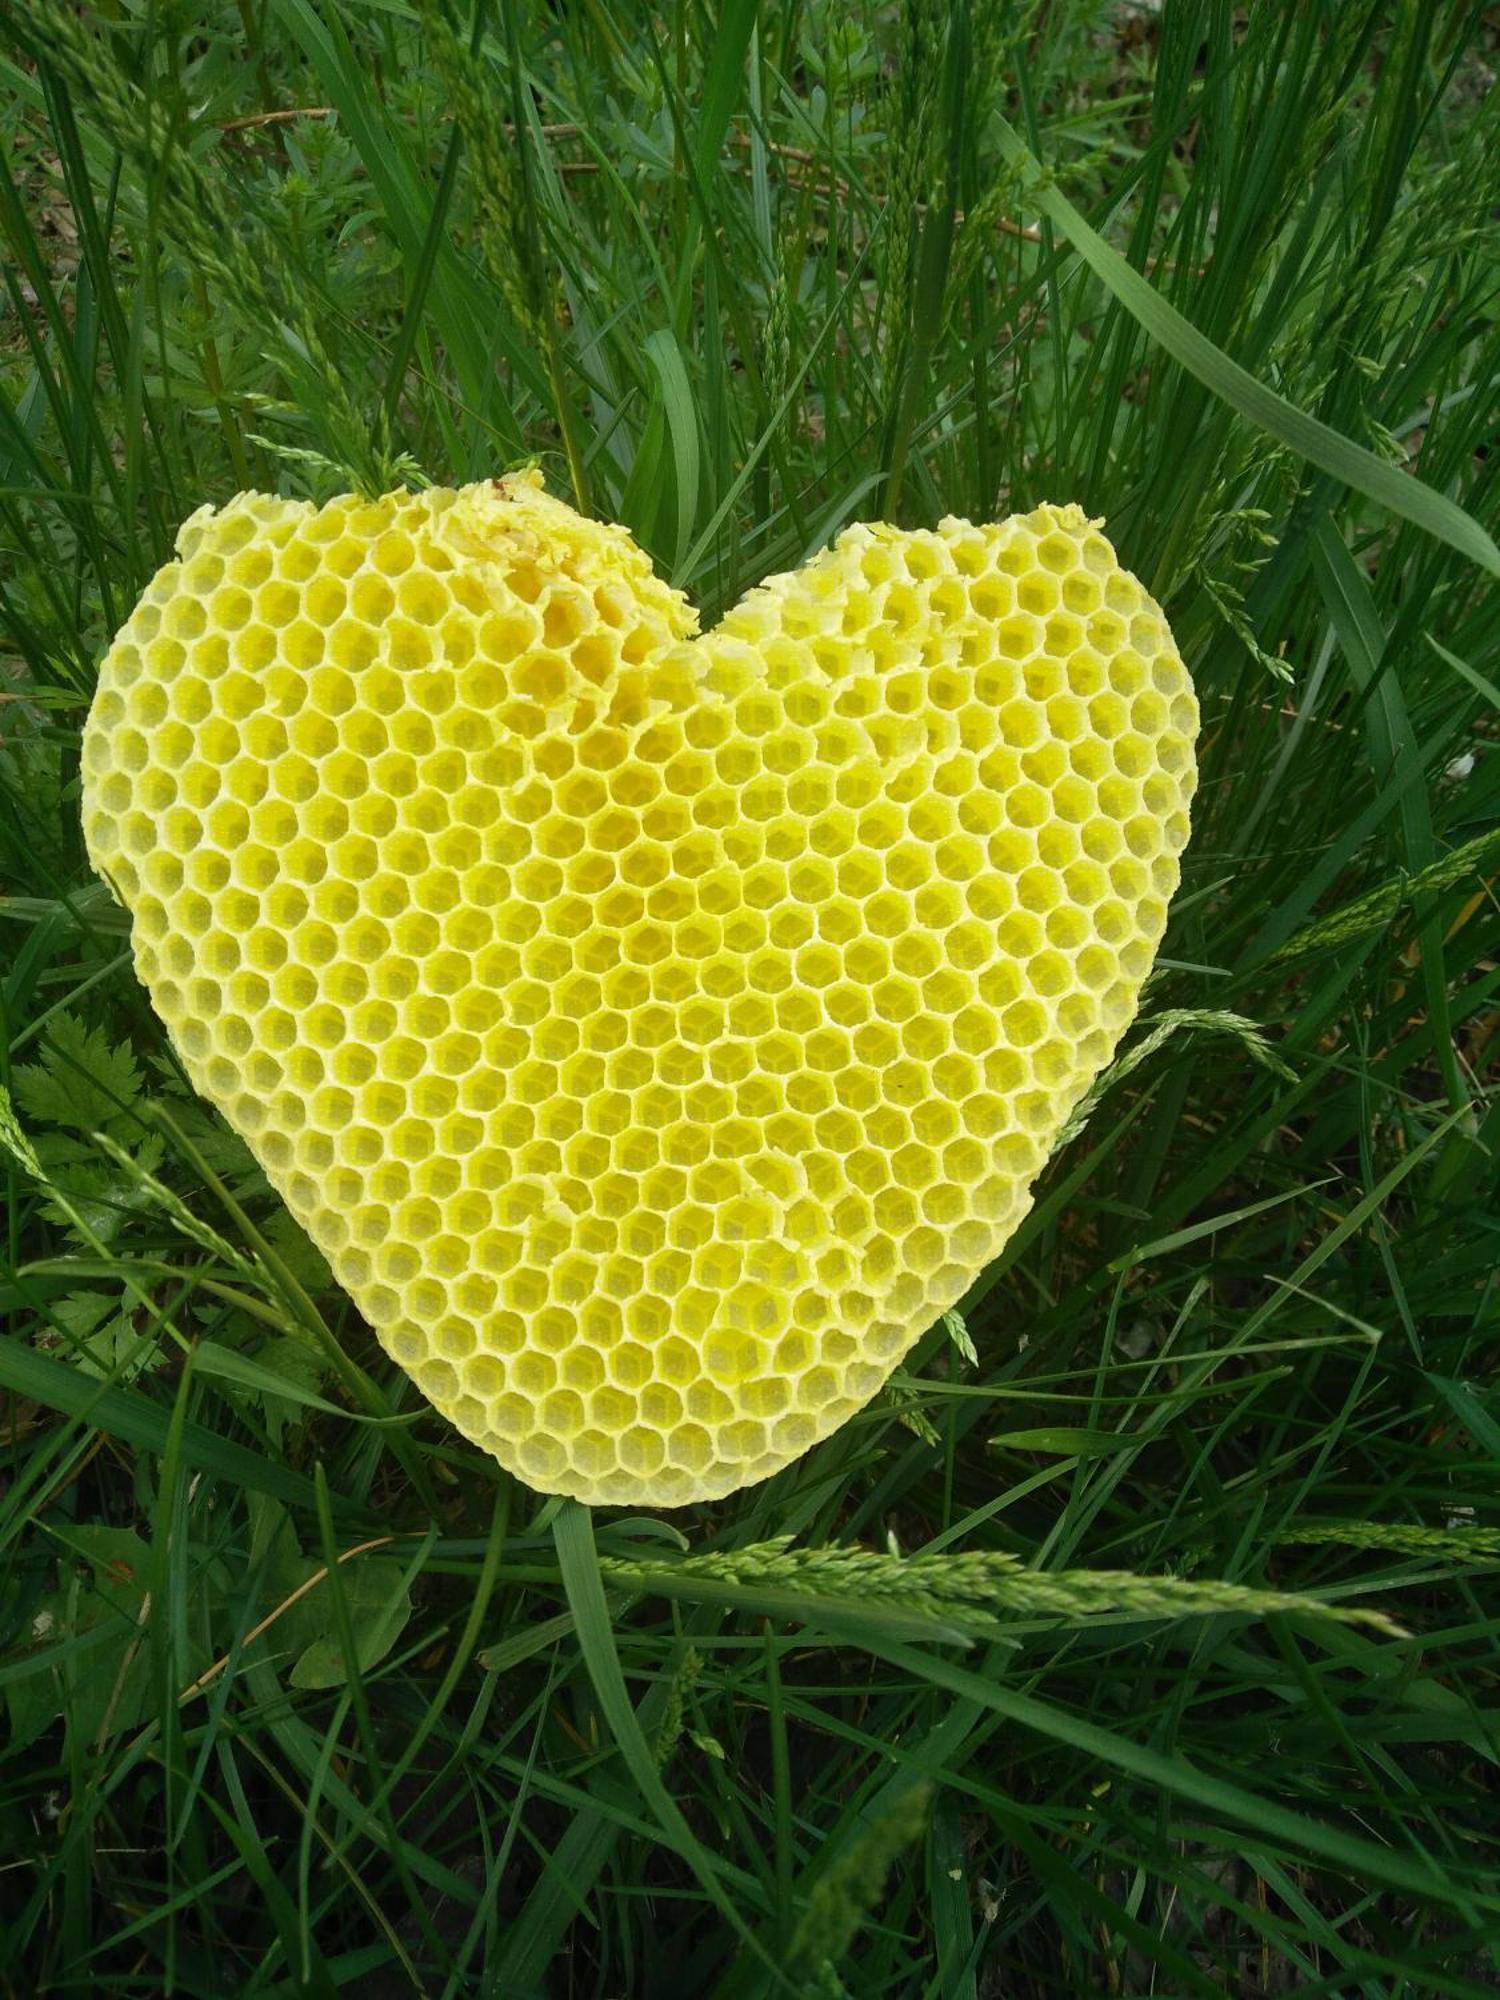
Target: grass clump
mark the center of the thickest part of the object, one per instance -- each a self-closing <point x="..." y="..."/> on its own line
<point x="300" y="1695"/>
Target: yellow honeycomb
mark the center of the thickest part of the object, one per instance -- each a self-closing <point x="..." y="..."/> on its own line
<point x="655" y="1032"/>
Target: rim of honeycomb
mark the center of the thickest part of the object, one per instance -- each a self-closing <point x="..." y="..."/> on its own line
<point x="655" y="1031"/>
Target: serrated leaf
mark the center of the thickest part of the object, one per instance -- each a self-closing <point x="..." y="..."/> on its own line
<point x="79" y="1313"/>
<point x="82" y="1081"/>
<point x="91" y="1332"/>
<point x="115" y="1350"/>
<point x="83" y="1189"/>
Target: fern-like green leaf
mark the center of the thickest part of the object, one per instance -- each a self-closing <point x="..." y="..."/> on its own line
<point x="83" y="1081"/>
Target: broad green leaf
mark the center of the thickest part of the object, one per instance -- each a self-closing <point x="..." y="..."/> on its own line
<point x="379" y="1606"/>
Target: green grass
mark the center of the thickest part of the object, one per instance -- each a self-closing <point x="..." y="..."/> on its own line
<point x="1055" y="1671"/>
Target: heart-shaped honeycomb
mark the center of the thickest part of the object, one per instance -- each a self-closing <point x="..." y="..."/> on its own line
<point x="655" y="1032"/>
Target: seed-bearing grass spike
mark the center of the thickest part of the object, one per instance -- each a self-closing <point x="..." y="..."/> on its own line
<point x="655" y="1032"/>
